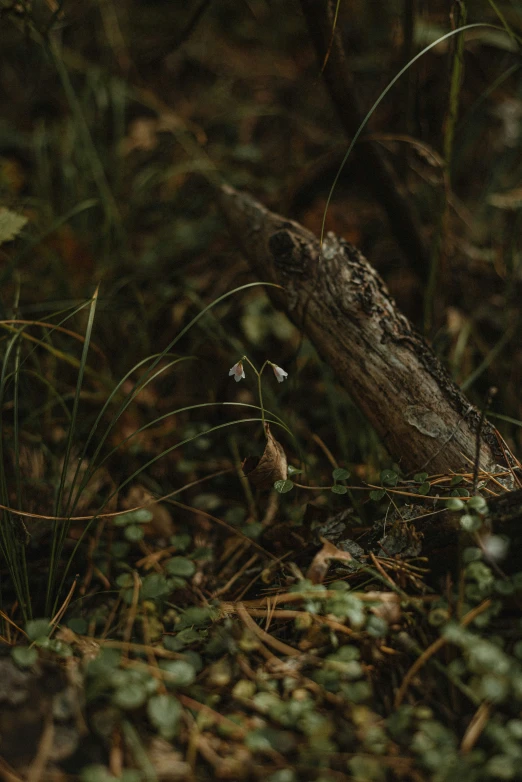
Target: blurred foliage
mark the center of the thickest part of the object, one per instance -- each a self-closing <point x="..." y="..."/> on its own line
<point x="226" y="632"/>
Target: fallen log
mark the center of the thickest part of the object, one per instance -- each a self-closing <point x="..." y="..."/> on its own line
<point x="424" y="529"/>
<point x="340" y="302"/>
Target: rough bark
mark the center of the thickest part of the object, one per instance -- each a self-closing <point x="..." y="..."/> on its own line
<point x="343" y="306"/>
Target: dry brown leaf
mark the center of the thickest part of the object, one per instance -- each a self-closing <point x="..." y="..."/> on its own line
<point x="321" y="562"/>
<point x="511" y="199"/>
<point x="389" y="607"/>
<point x="167" y="763"/>
<point x="271" y="467"/>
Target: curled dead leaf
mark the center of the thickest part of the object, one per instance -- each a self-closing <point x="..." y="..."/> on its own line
<point x="271" y="467"/>
<point x="321" y="562"/>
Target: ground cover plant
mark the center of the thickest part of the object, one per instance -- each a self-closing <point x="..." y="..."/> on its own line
<point x="221" y="553"/>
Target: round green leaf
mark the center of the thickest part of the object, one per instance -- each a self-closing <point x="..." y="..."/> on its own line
<point x="155" y="585"/>
<point x="455" y="504"/>
<point x="470" y="523"/>
<point x="501" y="767"/>
<point x="179" y="673"/>
<point x="176" y="642"/>
<point x="389" y="478"/>
<point x="96" y="773"/>
<point x="235" y="515"/>
<point x="105" y="663"/>
<point x="376" y="626"/>
<point x="478" y="503"/>
<point x="121" y="677"/>
<point x="132" y="696"/>
<point x="504" y="588"/>
<point x="133" y="533"/>
<point x="283" y="486"/>
<point x="140" y="516"/>
<point x="252" y="530"/>
<point x="164" y="712"/>
<point x="284" y="775"/>
<point x="338" y="489"/>
<point x="377" y="495"/>
<point x="180" y="566"/>
<point x="460" y="493"/>
<point x="181" y="541"/>
<point x="424" y="488"/>
<point x="207" y="501"/>
<point x="125" y="580"/>
<point x="494" y="688"/>
<point x="176" y="582"/>
<point x="143" y="516"/>
<point x="471" y="554"/>
<point x="130" y="775"/>
<point x="38" y="628"/>
<point x="340" y="474"/>
<point x="420" y="477"/>
<point x="120" y="549"/>
<point x="196" y="616"/>
<point x="202" y="553"/>
<point x="24" y="656"/>
<point x="53" y="645"/>
<point x="194" y="659"/>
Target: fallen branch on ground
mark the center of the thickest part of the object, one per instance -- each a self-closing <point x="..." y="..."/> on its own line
<point x="341" y="303"/>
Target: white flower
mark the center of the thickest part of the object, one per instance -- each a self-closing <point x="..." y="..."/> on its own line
<point x="279" y="373"/>
<point x="238" y="371"/>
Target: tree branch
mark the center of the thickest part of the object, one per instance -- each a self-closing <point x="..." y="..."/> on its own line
<point x="343" y="306"/>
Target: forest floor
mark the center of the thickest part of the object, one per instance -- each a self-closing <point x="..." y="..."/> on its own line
<point x="163" y="616"/>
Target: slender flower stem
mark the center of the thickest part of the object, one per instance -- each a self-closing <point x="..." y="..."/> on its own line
<point x="259" y="389"/>
<point x="260" y="392"/>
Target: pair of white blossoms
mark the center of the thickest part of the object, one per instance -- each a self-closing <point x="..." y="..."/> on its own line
<point x="238" y="372"/>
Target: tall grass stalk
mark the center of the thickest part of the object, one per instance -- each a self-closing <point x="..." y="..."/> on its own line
<point x="110" y="207"/>
<point x="457" y="76"/>
<point x="381" y="98"/>
<point x="141" y="384"/>
<point x="13" y="534"/>
<point x="12" y="531"/>
<point x="66" y="506"/>
<point x="59" y="533"/>
<point x="437" y="243"/>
